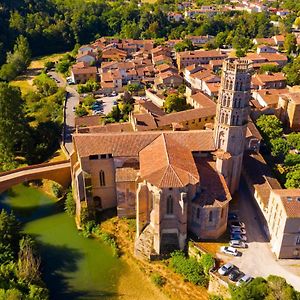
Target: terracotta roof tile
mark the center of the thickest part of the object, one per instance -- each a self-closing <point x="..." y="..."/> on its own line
<point x="291" y="201"/>
<point x="131" y="143"/>
<point x="172" y="165"/>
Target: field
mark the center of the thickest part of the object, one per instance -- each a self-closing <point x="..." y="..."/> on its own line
<point x="25" y="81"/>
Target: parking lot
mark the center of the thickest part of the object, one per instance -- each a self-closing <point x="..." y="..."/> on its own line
<point x="107" y="104"/>
<point x="257" y="259"/>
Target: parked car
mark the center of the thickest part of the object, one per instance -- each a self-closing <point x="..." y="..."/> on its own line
<point x="114" y="93"/>
<point x="237" y="224"/>
<point x="235" y="274"/>
<point x="232" y="216"/>
<point x="244" y="280"/>
<point x="225" y="269"/>
<point x="237" y="244"/>
<point x="237" y="230"/>
<point x="229" y="250"/>
<point x="239" y="237"/>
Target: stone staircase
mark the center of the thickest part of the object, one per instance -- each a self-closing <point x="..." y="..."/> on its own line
<point x="143" y="247"/>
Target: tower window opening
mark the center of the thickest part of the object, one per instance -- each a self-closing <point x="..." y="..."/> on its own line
<point x="102" y="178"/>
<point x="170" y="205"/>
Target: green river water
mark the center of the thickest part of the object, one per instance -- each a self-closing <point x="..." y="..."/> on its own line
<point x="74" y="267"/>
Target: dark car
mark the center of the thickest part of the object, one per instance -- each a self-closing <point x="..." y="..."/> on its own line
<point x="235" y="275"/>
<point x="232" y="216"/>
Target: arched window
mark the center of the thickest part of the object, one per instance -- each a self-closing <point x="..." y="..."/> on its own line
<point x="102" y="178"/>
<point x="237" y="120"/>
<point x="170" y="205"/>
<point x="233" y="120"/>
<point x="210" y="216"/>
<point x="198" y="213"/>
<point x="97" y="202"/>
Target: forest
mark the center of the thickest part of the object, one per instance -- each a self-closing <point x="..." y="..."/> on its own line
<point x="57" y="25"/>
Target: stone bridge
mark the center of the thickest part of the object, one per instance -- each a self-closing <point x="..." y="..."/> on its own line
<point x="59" y="172"/>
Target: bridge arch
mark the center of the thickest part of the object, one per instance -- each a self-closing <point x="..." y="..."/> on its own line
<point x="59" y="172"/>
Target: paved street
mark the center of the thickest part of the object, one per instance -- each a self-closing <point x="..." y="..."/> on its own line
<point x="258" y="260"/>
<point x="72" y="101"/>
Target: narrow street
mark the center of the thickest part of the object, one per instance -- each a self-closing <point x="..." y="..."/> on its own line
<point x="72" y="100"/>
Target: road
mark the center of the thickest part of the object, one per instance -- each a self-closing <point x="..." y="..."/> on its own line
<point x="258" y="260"/>
<point x="72" y="100"/>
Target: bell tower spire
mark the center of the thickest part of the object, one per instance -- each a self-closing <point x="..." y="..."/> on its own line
<point x="232" y="118"/>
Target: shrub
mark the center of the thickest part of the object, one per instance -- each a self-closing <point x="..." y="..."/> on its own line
<point x="189" y="268"/>
<point x="158" y="280"/>
<point x="70" y="206"/>
<point x="57" y="190"/>
<point x="207" y="262"/>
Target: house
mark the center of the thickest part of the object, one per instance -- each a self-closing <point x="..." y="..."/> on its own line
<point x="111" y="81"/>
<point x="167" y="79"/>
<point x="113" y="54"/>
<point x="289" y="110"/>
<point x="279" y="40"/>
<point x="265" y="41"/>
<point x="198" y="57"/>
<point x="268" y="97"/>
<point x="198" y="100"/>
<point x="82" y="72"/>
<point x="87" y="57"/>
<point x="265" y="49"/>
<point x="269" y="81"/>
<point x="175" y="17"/>
<point x="161" y="59"/>
<point x="282" y="12"/>
<point x="280" y="208"/>
<point x="199" y="40"/>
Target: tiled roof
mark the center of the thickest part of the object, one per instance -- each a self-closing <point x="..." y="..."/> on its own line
<point x="201" y="53"/>
<point x="131" y="143"/>
<point x="86" y="70"/>
<point x="186" y="115"/>
<point x="291" y="201"/>
<point x="172" y="165"/>
<point x="126" y="174"/>
<point x="203" y="100"/>
<point x="294" y="97"/>
<point x="214" y="190"/>
<point x="263" y="78"/>
<point x="271" y="96"/>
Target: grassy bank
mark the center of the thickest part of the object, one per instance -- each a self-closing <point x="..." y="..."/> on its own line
<point x="174" y="286"/>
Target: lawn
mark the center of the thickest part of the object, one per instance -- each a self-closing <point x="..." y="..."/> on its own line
<point x="25" y="81"/>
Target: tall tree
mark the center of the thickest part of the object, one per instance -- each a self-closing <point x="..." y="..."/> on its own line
<point x="12" y="124"/>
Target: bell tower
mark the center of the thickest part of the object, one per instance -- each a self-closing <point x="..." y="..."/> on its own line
<point x="232" y="118"/>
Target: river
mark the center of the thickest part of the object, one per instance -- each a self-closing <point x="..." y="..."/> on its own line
<point x="74" y="267"/>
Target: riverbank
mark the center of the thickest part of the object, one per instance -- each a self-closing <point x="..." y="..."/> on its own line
<point x="174" y="288"/>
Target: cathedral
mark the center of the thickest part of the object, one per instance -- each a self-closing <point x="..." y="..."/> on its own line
<point x="172" y="182"/>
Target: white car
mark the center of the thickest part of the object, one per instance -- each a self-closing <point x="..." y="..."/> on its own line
<point x="238" y="244"/>
<point x="237" y="224"/>
<point x="244" y="280"/>
<point x="229" y="250"/>
<point x="224" y="270"/>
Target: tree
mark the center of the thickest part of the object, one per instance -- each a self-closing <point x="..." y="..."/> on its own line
<point x="174" y="103"/>
<point x="17" y="61"/>
<point x="293" y="180"/>
<point x="270" y="126"/>
<point x="13" y="124"/>
<point x="292" y="71"/>
<point x="293" y="140"/>
<point x="184" y="46"/>
<point x="292" y="159"/>
<point x="279" y="147"/>
<point x="45" y="85"/>
<point x="290" y="43"/>
<point x="269" y="68"/>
